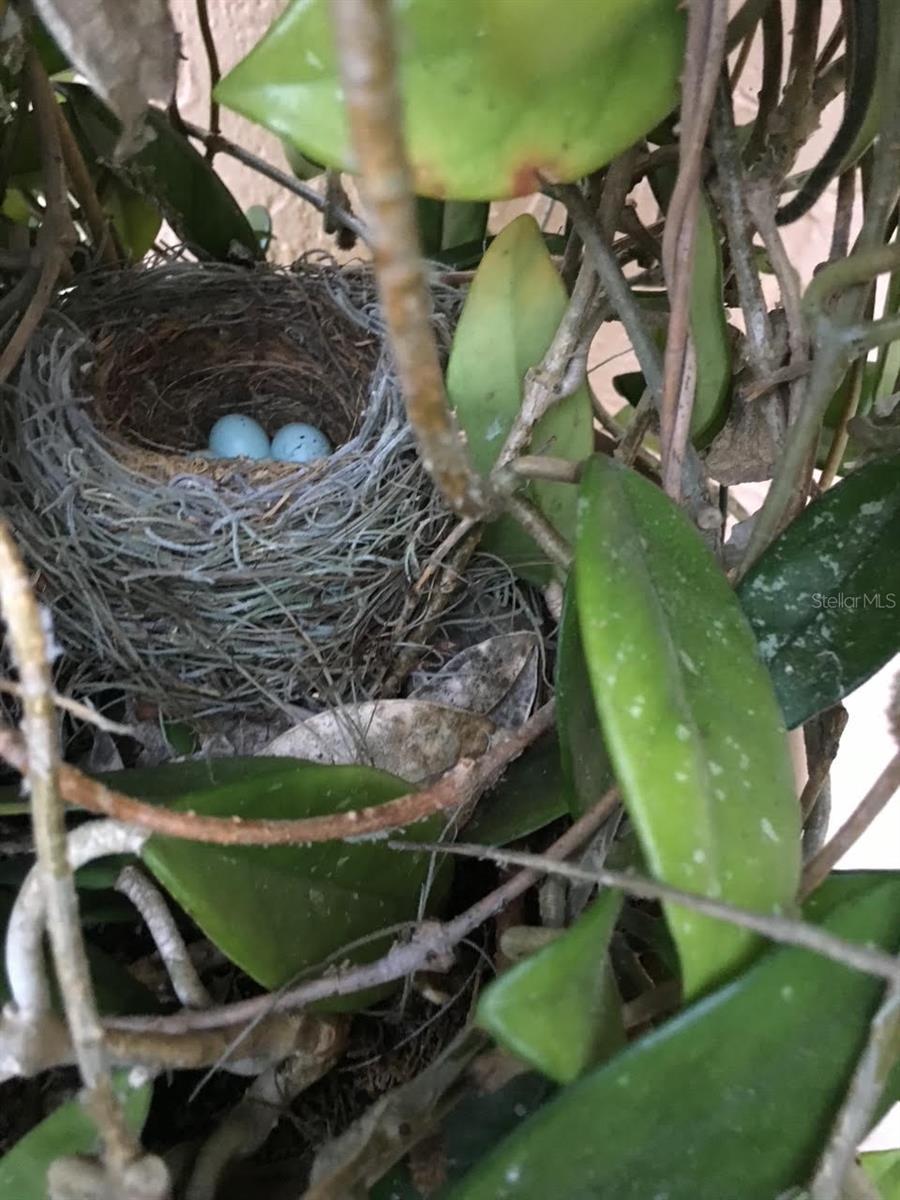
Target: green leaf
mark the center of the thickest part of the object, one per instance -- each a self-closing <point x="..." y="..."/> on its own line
<point x="481" y="1119"/>
<point x="688" y="713"/>
<point x="511" y="314"/>
<point x="68" y="1131"/>
<point x="464" y="223"/>
<point x="136" y="220"/>
<point x="883" y="1168"/>
<point x="169" y="173"/>
<point x="585" y="761"/>
<point x="531" y="794"/>
<point x="559" y="1009"/>
<point x="731" y="1098"/>
<point x="494" y="94"/>
<point x="824" y="599"/>
<point x="280" y="909"/>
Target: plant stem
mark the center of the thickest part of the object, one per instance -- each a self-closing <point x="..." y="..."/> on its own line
<point x="365" y="43"/>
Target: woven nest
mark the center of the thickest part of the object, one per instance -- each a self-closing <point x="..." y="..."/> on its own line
<point x="208" y="586"/>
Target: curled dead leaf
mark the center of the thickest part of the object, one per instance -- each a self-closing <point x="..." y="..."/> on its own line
<point x="413" y="739"/>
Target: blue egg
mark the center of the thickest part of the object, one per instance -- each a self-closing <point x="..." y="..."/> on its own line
<point x="238" y="436"/>
<point x="300" y="443"/>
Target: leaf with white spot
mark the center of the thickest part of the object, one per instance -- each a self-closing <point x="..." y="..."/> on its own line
<point x="824" y="599"/>
<point x="688" y="713"/>
<point x="414" y="739"/>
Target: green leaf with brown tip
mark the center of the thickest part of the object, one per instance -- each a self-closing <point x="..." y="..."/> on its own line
<point x="496" y="92"/>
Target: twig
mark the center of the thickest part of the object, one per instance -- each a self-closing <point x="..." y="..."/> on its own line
<point x="364" y="38"/>
<point x="462" y="783"/>
<point x="536" y="525"/>
<point x="102" y="232"/>
<point x="823" y="740"/>
<point x="770" y="85"/>
<point x="863" y="1096"/>
<point x="630" y="445"/>
<point x="874" y="801"/>
<point x="843" y="215"/>
<point x="614" y="284"/>
<point x="290" y="182"/>
<point x="777" y="929"/>
<point x="57" y="233"/>
<point x="562" y="369"/>
<point x="856" y="377"/>
<point x="731" y="187"/>
<point x="83" y="712"/>
<point x="29" y="644"/>
<point x="761" y="202"/>
<point x="148" y="900"/>
<point x="429" y="948"/>
<point x="707" y="26"/>
<point x="212" y="58"/>
<point x="247" y="1126"/>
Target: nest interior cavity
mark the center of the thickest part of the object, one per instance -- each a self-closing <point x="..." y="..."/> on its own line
<point x="211" y="585"/>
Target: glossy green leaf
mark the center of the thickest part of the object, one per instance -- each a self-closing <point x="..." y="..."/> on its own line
<point x="495" y="91"/>
<point x="532" y="793"/>
<point x="513" y="309"/>
<point x="689" y="715"/>
<point x="883" y="1168"/>
<point x="730" y="1099"/>
<point x="169" y="173"/>
<point x="68" y="1131"/>
<point x="559" y="1009"/>
<point x="824" y="599"/>
<point x="585" y="761"/>
<point x="277" y="910"/>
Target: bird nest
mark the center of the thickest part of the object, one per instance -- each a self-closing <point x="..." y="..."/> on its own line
<point x="210" y="586"/>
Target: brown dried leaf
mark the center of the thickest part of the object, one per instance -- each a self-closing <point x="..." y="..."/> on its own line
<point x="127" y="50"/>
<point x="413" y="739"/>
<point x="497" y="678"/>
<point x="750" y="443"/>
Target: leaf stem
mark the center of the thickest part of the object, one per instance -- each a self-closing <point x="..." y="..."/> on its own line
<point x="365" y="43"/>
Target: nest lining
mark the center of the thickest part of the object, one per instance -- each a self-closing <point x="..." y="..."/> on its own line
<point x="210" y="586"/>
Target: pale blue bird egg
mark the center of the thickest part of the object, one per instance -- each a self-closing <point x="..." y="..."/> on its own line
<point x="238" y="436"/>
<point x="300" y="443"/>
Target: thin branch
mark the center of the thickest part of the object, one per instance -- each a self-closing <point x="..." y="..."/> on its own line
<point x="57" y="234"/>
<point x="215" y="74"/>
<point x="364" y="38"/>
<point x="29" y="644"/>
<point x="770" y="85"/>
<point x="148" y="900"/>
<point x="536" y="525"/>
<point x="430" y="947"/>
<point x="82" y="712"/>
<point x="101" y="230"/>
<point x="290" y="182"/>
<point x="863" y="1096"/>
<point x="874" y="801"/>
<point x="461" y="784"/>
<point x="777" y="929"/>
<point x="562" y="369"/>
<point x="731" y="189"/>
<point x="843" y="215"/>
<point x="707" y="27"/>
